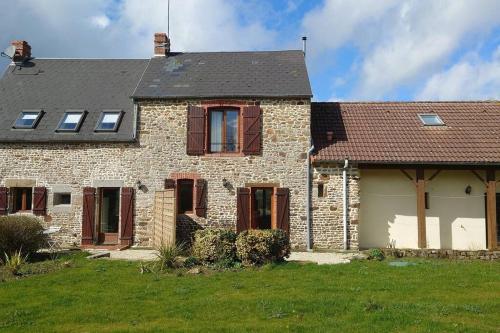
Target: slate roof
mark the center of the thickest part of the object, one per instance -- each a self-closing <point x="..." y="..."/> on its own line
<point x="392" y="133"/>
<point x="56" y="85"/>
<point x="226" y="74"/>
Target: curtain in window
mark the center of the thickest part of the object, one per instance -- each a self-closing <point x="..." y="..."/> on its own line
<point x="232" y="130"/>
<point x="216" y="121"/>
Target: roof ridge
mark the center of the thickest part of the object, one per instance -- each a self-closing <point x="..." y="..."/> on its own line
<point x="410" y="102"/>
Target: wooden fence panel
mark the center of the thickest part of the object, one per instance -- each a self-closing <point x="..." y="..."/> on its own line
<point x="164" y="218"/>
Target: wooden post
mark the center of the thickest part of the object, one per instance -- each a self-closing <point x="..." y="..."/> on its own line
<point x="420" y="182"/>
<point x="491" y="210"/>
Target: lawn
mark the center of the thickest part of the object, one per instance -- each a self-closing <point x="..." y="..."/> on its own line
<point x="364" y="296"/>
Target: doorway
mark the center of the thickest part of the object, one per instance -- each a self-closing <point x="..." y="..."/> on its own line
<point x="262" y="208"/>
<point x="498" y="219"/>
<point x="109" y="215"/>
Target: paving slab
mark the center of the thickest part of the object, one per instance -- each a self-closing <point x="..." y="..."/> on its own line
<point x="324" y="258"/>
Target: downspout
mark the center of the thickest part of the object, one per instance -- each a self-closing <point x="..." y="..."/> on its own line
<point x="346" y="208"/>
<point x="309" y="201"/>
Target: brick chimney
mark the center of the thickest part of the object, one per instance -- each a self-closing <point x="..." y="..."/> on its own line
<point x="23" y="50"/>
<point x="162" y="44"/>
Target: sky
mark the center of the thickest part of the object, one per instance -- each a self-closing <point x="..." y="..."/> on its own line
<point x="357" y="50"/>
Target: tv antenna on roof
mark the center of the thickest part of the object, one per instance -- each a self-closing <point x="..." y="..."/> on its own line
<point x="9" y="52"/>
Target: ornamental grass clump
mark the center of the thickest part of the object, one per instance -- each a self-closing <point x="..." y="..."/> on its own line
<point x="21" y="233"/>
<point x="214" y="245"/>
<point x="14" y="262"/>
<point x="258" y="247"/>
<point x="167" y="255"/>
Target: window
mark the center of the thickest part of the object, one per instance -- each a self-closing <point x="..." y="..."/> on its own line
<point x="28" y="119"/>
<point x="109" y="121"/>
<point x="431" y="120"/>
<point x="22" y="198"/>
<point x="185" y="196"/>
<point x="224" y="131"/>
<point x="321" y="190"/>
<point x="71" y="121"/>
<point x="62" y="199"/>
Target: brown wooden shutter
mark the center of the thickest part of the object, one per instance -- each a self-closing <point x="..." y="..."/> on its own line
<point x="4" y="200"/>
<point x="243" y="209"/>
<point x="169" y="184"/>
<point x="127" y="215"/>
<point x="88" y="216"/>
<point x="283" y="209"/>
<point x="252" y="130"/>
<point x="201" y="198"/>
<point x="196" y="131"/>
<point x="40" y="201"/>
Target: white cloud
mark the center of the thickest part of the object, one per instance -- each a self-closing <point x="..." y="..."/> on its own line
<point x="400" y="42"/>
<point x="100" y="21"/>
<point x="472" y="79"/>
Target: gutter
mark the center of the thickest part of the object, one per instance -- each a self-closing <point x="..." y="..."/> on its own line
<point x="345" y="204"/>
<point x="309" y="201"/>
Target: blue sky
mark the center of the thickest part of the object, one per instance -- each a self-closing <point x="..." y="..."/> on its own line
<point x="357" y="50"/>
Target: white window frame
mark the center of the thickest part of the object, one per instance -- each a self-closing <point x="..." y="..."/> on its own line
<point x="423" y="115"/>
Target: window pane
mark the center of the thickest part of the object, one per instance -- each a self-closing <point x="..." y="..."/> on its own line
<point x="216" y="123"/>
<point x="430" y="119"/>
<point x="26" y="119"/>
<point x="231" y="131"/>
<point x="109" y="121"/>
<point x="70" y="121"/>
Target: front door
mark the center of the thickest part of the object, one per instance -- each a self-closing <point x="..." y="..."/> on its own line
<point x="262" y="208"/>
<point x="109" y="215"/>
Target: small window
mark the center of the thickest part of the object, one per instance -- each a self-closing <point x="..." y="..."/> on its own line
<point x="224" y="126"/>
<point x="62" y="199"/>
<point x="109" y="121"/>
<point x="321" y="190"/>
<point x="28" y="119"/>
<point x="71" y="121"/>
<point x="431" y="120"/>
<point x="22" y="198"/>
<point x="185" y="196"/>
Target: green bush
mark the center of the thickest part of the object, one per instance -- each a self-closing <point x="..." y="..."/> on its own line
<point x="20" y="233"/>
<point x="257" y="247"/>
<point x="376" y="254"/>
<point x="214" y="245"/>
<point x="167" y="255"/>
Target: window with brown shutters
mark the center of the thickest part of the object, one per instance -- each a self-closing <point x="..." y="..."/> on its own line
<point x="40" y="201"/>
<point x="201" y="198"/>
<point x="196" y="131"/>
<point x="88" y="216"/>
<point x="4" y="200"/>
<point x="283" y="209"/>
<point x="127" y="215"/>
<point x="243" y="209"/>
<point x="252" y="130"/>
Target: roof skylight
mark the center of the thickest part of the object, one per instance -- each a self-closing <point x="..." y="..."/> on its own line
<point x="28" y="119"/>
<point x="431" y="120"/>
<point x="109" y="121"/>
<point x="71" y="121"/>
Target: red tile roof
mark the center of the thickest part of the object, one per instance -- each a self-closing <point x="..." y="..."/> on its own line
<point x="391" y="132"/>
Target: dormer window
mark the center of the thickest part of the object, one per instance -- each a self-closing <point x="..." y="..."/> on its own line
<point x="431" y="120"/>
<point x="28" y="119"/>
<point x="109" y="121"/>
<point x="71" y="121"/>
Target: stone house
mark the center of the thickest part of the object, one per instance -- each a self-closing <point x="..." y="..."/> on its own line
<point x="85" y="143"/>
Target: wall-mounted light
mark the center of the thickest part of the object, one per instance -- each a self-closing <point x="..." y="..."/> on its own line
<point x="141" y="186"/>
<point x="468" y="190"/>
<point x="227" y="184"/>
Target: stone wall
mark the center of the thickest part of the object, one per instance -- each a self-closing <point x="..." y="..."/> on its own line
<point x="327" y="211"/>
<point x="446" y="254"/>
<point x="161" y="152"/>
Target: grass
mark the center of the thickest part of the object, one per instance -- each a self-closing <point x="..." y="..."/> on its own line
<point x="364" y="296"/>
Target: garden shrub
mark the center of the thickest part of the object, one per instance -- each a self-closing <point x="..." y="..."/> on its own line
<point x="214" y="245"/>
<point x="257" y="247"/>
<point x="167" y="255"/>
<point x="376" y="254"/>
<point x="21" y="233"/>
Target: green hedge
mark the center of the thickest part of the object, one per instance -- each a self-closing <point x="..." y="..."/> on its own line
<point x="214" y="245"/>
<point x="23" y="233"/>
<point x="257" y="247"/>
